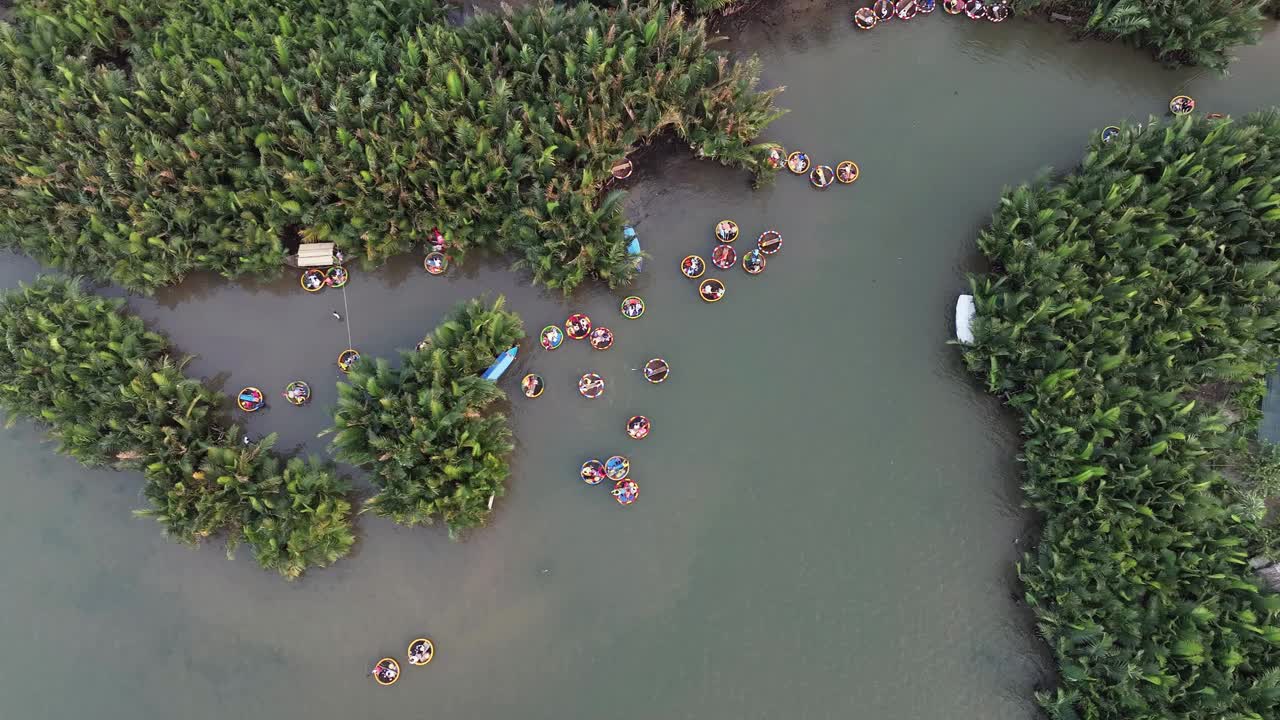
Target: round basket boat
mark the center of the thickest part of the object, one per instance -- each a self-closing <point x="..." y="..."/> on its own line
<point x="601" y="338"/>
<point x="617" y="467"/>
<point x="297" y="392"/>
<point x="591" y="386"/>
<point x="905" y="9"/>
<point x="726" y="231"/>
<point x="1109" y="133"/>
<point x="711" y="290"/>
<point x="532" y="385"/>
<point x="753" y="262"/>
<point x="336" y="276"/>
<point x="347" y="359"/>
<point x="883" y="9"/>
<point x="953" y="7"/>
<point x="822" y="177"/>
<point x="386" y="671"/>
<point x="625" y="491"/>
<point x="1182" y="105"/>
<point x="999" y="12"/>
<point x="421" y="651"/>
<point x="656" y="370"/>
<point x="777" y="157"/>
<point x="592" y="472"/>
<point x="435" y="263"/>
<point x="250" y="399"/>
<point x="864" y="18"/>
<point x="638" y="427"/>
<point x="798" y="163"/>
<point x="621" y="170"/>
<point x="926" y="6"/>
<point x="551" y="337"/>
<point x="312" y="280"/>
<point x="769" y="242"/>
<point x="975" y="9"/>
<point x="847" y="172"/>
<point x="632" y="307"/>
<point x="578" y="326"/>
<point x="724" y="256"/>
<point x="692" y="266"/>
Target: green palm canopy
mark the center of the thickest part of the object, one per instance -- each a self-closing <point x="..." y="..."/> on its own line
<point x="1118" y="293"/>
<point x="148" y="138"/>
<point x="426" y="430"/>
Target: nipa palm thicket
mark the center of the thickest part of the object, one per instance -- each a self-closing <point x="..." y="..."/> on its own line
<point x="148" y="138"/>
<point x="1180" y="32"/>
<point x="111" y="396"/>
<point x="1119" y="292"/>
<point x="426" y="429"/>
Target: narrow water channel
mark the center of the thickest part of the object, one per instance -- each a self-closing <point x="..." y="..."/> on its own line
<point x="829" y="503"/>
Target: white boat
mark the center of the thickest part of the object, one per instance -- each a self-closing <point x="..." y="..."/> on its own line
<point x="965" y="311"/>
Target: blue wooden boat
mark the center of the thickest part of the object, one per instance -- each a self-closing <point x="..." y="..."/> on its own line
<point x="633" y="247"/>
<point x="500" y="365"/>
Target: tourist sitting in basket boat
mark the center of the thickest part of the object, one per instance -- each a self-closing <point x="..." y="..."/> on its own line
<point x="336" y="276"/>
<point x="905" y="9"/>
<point x="769" y="242"/>
<point x="421" y="651"/>
<point x="551" y="337"/>
<point x="632" y="307"/>
<point x="593" y="472"/>
<point x="1181" y="105"/>
<point x="617" y="467"/>
<point x="711" y="290"/>
<point x="883" y="9"/>
<point x="656" y="370"/>
<point x="692" y="267"/>
<point x="798" y="162"/>
<point x="386" y="672"/>
<point x="864" y="18"/>
<point x="591" y="386"/>
<point x="625" y="491"/>
<point x="847" y="171"/>
<point x="532" y="385"/>
<point x="297" y="392"/>
<point x="926" y="6"/>
<point x="313" y="280"/>
<point x="724" y="256"/>
<point x="726" y="231"/>
<point x="776" y="157"/>
<point x="578" y="326"/>
<point x="601" y="338"/>
<point x="998" y="12"/>
<point x="975" y="9"/>
<point x="753" y="262"/>
<point x="953" y="7"/>
<point x="822" y="177"/>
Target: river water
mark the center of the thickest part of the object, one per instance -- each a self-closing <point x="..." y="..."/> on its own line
<point x="829" y="503"/>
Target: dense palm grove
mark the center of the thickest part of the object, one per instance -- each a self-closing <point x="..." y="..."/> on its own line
<point x="112" y="396"/>
<point x="149" y="138"/>
<point x="1191" y="32"/>
<point x="426" y="429"/>
<point x="1119" y="294"/>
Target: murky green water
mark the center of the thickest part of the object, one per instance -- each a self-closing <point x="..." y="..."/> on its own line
<point x="829" y="505"/>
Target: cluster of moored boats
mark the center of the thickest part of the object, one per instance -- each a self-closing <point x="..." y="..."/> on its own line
<point x="821" y="176"/>
<point x="882" y="11"/>
<point x="387" y="670"/>
<point x="724" y="256"/>
<point x="592" y="386"/>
